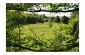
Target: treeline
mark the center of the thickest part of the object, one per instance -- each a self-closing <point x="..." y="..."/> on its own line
<point x="24" y="17"/>
<point x="57" y="19"/>
<point x="15" y="17"/>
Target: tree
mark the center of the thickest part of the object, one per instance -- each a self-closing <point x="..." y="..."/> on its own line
<point x="65" y="19"/>
<point x="57" y="19"/>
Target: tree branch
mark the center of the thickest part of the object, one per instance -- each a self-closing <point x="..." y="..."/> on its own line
<point x="15" y="45"/>
<point x="68" y="48"/>
<point x="76" y="9"/>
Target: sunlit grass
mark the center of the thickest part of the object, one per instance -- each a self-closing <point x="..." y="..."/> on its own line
<point x="43" y="33"/>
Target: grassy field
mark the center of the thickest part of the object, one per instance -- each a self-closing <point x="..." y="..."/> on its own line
<point x="41" y="36"/>
<point x="39" y="29"/>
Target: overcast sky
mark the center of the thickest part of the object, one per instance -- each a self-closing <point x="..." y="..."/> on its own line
<point x="54" y="14"/>
<point x="51" y="14"/>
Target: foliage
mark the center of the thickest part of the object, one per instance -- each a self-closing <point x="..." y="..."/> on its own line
<point x="32" y="32"/>
<point x="18" y="6"/>
<point x="57" y="19"/>
<point x="15" y="17"/>
<point x="45" y="6"/>
<point x="75" y="14"/>
<point x="50" y="22"/>
<point x="65" y="19"/>
<point x="43" y="38"/>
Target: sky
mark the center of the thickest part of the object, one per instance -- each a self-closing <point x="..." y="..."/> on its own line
<point x="54" y="14"/>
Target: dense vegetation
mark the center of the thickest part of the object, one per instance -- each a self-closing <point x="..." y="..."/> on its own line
<point x="32" y="32"/>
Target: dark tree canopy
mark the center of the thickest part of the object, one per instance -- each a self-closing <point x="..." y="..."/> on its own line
<point x="65" y="19"/>
<point x="57" y="19"/>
